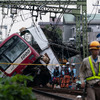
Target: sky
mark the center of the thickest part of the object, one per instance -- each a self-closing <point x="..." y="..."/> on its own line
<point x="90" y="6"/>
<point x="22" y="21"/>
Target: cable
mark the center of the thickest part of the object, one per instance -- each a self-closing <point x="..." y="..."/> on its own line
<point x="33" y="20"/>
<point x="92" y="11"/>
<point x="62" y="13"/>
<point x="6" y="17"/>
<point x="58" y="19"/>
<point x="21" y="16"/>
<point x="13" y="20"/>
<point x="2" y="21"/>
<point x="21" y="20"/>
<point x="94" y="15"/>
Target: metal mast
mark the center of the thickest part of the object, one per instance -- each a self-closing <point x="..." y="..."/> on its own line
<point x="81" y="28"/>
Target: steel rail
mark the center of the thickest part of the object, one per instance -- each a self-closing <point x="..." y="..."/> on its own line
<point x="62" y="90"/>
<point x="51" y="95"/>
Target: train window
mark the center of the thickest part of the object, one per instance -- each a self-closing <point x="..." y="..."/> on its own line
<point x="4" y="60"/>
<point x="6" y="45"/>
<point x="16" y="49"/>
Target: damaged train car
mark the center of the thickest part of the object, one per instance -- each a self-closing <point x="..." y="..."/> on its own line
<point x="18" y="57"/>
<point x="40" y="42"/>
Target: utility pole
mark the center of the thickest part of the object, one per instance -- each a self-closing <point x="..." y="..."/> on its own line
<point x="81" y="27"/>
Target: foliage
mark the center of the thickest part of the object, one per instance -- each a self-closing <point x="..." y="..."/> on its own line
<point x="54" y="29"/>
<point x="48" y="27"/>
<point x="15" y="88"/>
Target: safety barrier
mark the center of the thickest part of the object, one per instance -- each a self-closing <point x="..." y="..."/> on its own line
<point x="30" y="64"/>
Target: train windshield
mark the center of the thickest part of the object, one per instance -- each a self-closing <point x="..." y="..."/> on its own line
<point x="11" y="50"/>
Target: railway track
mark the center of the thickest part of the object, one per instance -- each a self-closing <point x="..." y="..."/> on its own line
<point x="61" y="90"/>
<point x="48" y="94"/>
<point x="59" y="94"/>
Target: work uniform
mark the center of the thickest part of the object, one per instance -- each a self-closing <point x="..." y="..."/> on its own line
<point x="62" y="71"/>
<point x="73" y="71"/>
<point x="93" y="89"/>
<point x="67" y="72"/>
<point x="73" y="74"/>
<point x="62" y="77"/>
<point x="56" y="76"/>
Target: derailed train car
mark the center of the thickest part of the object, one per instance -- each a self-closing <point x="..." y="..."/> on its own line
<point x="39" y="41"/>
<point x="18" y="57"/>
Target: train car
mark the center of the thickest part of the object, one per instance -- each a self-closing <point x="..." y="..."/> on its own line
<point x="16" y="54"/>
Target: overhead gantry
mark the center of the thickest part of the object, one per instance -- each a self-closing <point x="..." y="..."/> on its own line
<point x="57" y="6"/>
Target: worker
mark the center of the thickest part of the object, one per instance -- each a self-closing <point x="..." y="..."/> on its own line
<point x="56" y="75"/>
<point x="62" y="71"/>
<point x="62" y="84"/>
<point x="67" y="69"/>
<point x="73" y="72"/>
<point x="67" y="74"/>
<point x="56" y="72"/>
<point x="90" y="71"/>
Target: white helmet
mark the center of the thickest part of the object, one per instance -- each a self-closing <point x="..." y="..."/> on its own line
<point x="67" y="63"/>
<point x="57" y="65"/>
<point x="73" y="64"/>
<point x="63" y="66"/>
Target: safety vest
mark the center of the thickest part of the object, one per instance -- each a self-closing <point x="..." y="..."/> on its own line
<point x="66" y="71"/>
<point x="93" y="71"/>
<point x="56" y="73"/>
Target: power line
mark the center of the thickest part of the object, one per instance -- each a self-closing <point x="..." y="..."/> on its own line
<point x="13" y="20"/>
<point x="94" y="14"/>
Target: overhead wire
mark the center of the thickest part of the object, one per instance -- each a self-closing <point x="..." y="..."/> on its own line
<point x="94" y="14"/>
<point x="16" y="21"/>
<point x="13" y="20"/>
<point x="21" y="16"/>
<point x="91" y="12"/>
<point x="18" y="16"/>
<point x="3" y="16"/>
<point x="60" y="18"/>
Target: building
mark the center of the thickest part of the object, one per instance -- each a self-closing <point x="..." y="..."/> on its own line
<point x="93" y="27"/>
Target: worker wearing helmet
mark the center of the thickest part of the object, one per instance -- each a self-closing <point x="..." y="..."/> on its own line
<point x="56" y="75"/>
<point x="67" y="72"/>
<point x="90" y="71"/>
<point x="67" y="69"/>
<point x="56" y="72"/>
<point x="62" y="70"/>
<point x="73" y="72"/>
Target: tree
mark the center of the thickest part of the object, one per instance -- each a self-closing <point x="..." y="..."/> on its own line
<point x="53" y="33"/>
<point x="15" y="88"/>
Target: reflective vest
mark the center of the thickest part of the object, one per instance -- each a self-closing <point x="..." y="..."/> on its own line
<point x="93" y="71"/>
<point x="56" y="72"/>
<point x="66" y="71"/>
